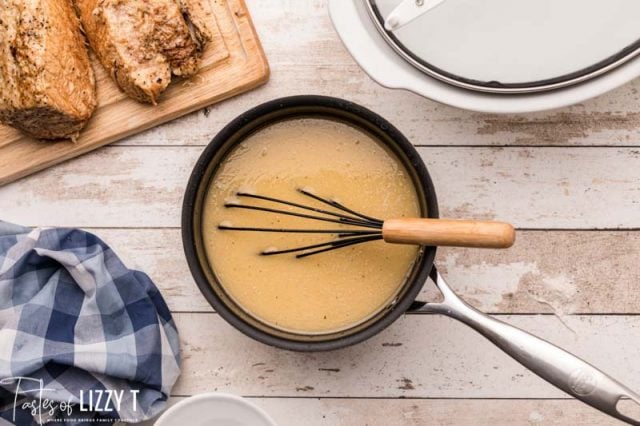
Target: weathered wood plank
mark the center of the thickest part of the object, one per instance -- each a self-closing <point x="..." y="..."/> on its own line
<point x="418" y="356"/>
<point x="420" y="412"/>
<point x="307" y="57"/>
<point x="546" y="271"/>
<point x="531" y="187"/>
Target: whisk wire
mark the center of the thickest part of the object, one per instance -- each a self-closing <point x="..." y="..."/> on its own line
<point x="345" y="221"/>
<point x="299" y="231"/>
<point x="346" y="237"/>
<point x="301" y="206"/>
<point x="341" y="244"/>
<point x="339" y="206"/>
<point x="330" y="244"/>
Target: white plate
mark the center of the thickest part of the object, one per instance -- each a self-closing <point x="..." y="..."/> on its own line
<point x="383" y="64"/>
<point x="214" y="409"/>
<point x="505" y="45"/>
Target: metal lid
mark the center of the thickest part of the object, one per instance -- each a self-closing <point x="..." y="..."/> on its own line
<point x="511" y="46"/>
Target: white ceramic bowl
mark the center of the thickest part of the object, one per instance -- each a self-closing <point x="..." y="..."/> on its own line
<point x="215" y="409"/>
<point x="384" y="65"/>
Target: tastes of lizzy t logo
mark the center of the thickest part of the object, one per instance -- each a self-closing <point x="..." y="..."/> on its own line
<point x="95" y="400"/>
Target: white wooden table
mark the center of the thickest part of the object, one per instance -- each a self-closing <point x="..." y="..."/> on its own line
<point x="568" y="179"/>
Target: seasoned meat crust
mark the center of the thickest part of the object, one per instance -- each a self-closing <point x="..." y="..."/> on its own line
<point x="142" y="43"/>
<point x="47" y="85"/>
<point x="199" y="15"/>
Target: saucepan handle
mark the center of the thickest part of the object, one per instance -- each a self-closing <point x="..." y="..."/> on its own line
<point x="557" y="366"/>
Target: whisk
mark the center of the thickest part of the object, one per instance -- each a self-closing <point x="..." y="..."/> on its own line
<point x="360" y="228"/>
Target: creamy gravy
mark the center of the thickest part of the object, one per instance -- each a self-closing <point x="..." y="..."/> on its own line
<point x="325" y="292"/>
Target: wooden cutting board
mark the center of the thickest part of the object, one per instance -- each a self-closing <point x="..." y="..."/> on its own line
<point x="234" y="62"/>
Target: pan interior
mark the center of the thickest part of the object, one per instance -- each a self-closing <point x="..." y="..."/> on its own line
<point x="239" y="130"/>
<point x="327" y="292"/>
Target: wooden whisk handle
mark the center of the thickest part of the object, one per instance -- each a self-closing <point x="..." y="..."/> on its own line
<point x="445" y="232"/>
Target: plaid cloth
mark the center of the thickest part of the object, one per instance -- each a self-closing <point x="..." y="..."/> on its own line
<point x="80" y="327"/>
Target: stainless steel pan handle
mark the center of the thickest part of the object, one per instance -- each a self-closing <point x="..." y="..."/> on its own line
<point x="557" y="366"/>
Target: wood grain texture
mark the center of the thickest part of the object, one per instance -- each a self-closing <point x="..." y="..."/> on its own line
<point x="448" y="233"/>
<point x="233" y="63"/>
<point x="418" y="356"/>
<point x="562" y="272"/>
<point x="421" y="412"/>
<point x="565" y="173"/>
<point x="541" y="188"/>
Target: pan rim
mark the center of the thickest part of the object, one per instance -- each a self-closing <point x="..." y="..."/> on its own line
<point x="280" y="107"/>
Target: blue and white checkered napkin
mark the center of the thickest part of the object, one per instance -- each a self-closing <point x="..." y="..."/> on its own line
<point x="94" y="337"/>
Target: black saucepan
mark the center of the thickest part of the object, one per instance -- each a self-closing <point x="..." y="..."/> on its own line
<point x="238" y="130"/>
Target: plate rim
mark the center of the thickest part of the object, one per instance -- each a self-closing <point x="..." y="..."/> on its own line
<point x="628" y="53"/>
<point x="381" y="63"/>
<point x="220" y="396"/>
